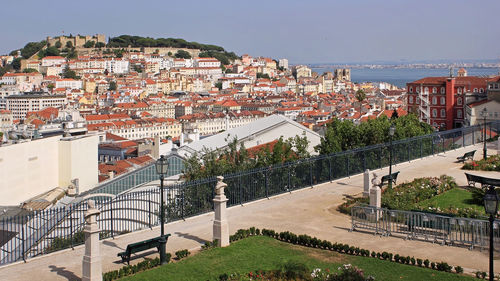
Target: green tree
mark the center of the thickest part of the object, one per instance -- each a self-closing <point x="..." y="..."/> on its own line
<point x="72" y="54"/>
<point x="16" y="64"/>
<point x="89" y="44"/>
<point x="69" y="44"/>
<point x="50" y="51"/>
<point x="29" y="70"/>
<point x="360" y="96"/>
<point x="58" y="44"/>
<point x="182" y="54"/>
<point x="68" y="73"/>
<point x="169" y="54"/>
<point x="218" y="85"/>
<point x="112" y="86"/>
<point x="100" y="45"/>
<point x="32" y="48"/>
<point x="263" y="75"/>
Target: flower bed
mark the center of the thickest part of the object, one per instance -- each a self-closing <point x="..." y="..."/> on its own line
<point x="406" y="196"/>
<point x="491" y="163"/>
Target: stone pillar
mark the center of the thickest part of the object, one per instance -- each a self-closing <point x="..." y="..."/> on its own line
<point x="367" y="182"/>
<point x="375" y="197"/>
<point x="498" y="146"/>
<point x="221" y="228"/>
<point x="91" y="265"/>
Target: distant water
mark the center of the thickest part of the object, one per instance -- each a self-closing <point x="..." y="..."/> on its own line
<point x="401" y="76"/>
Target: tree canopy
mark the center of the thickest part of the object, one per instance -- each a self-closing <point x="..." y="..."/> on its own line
<point x="138" y="41"/>
<point x="181" y="54"/>
<point x="345" y="135"/>
<point x="232" y="159"/>
<point x="32" y="48"/>
<point x="50" y="51"/>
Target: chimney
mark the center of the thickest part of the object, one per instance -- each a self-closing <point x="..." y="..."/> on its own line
<point x="111" y="174"/>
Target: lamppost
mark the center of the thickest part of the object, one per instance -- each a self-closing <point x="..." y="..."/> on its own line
<point x="392" y="129"/>
<point x="491" y="208"/>
<point x="162" y="168"/>
<point x="484" y="113"/>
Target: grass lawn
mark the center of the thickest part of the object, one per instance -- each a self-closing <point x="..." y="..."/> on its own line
<point x="264" y="253"/>
<point x="455" y="198"/>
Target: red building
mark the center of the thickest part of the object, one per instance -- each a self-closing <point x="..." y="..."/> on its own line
<point x="441" y="101"/>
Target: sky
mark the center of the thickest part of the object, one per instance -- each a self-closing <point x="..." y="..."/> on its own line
<point x="312" y="31"/>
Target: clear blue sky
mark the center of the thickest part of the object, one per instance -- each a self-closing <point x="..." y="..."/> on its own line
<point x="302" y="31"/>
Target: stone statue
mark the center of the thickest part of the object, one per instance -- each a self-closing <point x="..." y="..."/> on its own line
<point x="219" y="187"/>
<point x="375" y="181"/>
<point x="91" y="213"/>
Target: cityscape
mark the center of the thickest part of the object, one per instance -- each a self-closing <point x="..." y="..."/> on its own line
<point x="141" y="154"/>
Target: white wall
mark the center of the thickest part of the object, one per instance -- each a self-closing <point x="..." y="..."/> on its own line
<point x="78" y="159"/>
<point x="28" y="169"/>
<point x="32" y="168"/>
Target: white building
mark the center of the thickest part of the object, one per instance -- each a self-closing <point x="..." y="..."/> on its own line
<point x="69" y="83"/>
<point x="53" y="61"/>
<point x="206" y="62"/>
<point x="35" y="167"/>
<point x="22" y="104"/>
<point x="116" y="66"/>
<point x="283" y="63"/>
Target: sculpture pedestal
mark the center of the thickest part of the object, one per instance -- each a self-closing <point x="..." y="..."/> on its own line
<point x="221" y="227"/>
<point x="91" y="264"/>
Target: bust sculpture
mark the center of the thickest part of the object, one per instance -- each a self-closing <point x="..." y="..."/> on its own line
<point x="219" y="187"/>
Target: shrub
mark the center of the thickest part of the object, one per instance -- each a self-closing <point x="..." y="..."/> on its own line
<point x="351" y="273"/>
<point x="426" y="263"/>
<point x="433" y="265"/>
<point x="373" y="254"/>
<point x="294" y="270"/>
<point x="182" y="254"/>
<point x="412" y="260"/>
<point x="443" y="266"/>
<point x="419" y="262"/>
<point x="459" y="269"/>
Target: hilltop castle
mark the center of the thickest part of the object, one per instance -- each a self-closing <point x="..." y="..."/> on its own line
<point x="77" y="41"/>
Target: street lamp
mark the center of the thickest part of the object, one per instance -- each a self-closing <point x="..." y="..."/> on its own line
<point x="484" y="113"/>
<point x="162" y="168"/>
<point x="491" y="208"/>
<point x="392" y="130"/>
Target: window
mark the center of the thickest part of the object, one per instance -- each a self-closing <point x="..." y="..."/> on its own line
<point x="459" y="90"/>
<point x="443" y="101"/>
<point x="475" y="90"/>
<point x="417" y="89"/>
<point x="459" y="113"/>
<point x="410" y="99"/>
<point x="442" y="90"/>
<point x="426" y="90"/>
<point x="434" y="100"/>
<point x="434" y="90"/>
<point x="459" y="101"/>
<point x="411" y="89"/>
<point x="443" y="113"/>
<point x="434" y="113"/>
<point x="481" y="90"/>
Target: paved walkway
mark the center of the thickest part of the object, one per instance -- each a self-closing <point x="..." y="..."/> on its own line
<point x="310" y="210"/>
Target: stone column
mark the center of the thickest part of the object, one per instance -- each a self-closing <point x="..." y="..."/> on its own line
<point x="498" y="146"/>
<point x="375" y="197"/>
<point x="367" y="182"/>
<point x="221" y="228"/>
<point x="91" y="265"/>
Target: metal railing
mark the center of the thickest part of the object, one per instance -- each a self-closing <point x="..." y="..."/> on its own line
<point x="40" y="232"/>
<point x="446" y="230"/>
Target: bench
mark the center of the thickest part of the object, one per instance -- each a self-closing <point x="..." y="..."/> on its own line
<point x="473" y="179"/>
<point x="393" y="177"/>
<point x="141" y="246"/>
<point x="468" y="155"/>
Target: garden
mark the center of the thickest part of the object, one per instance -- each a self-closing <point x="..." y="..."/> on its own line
<point x="269" y="255"/>
<point x="491" y="163"/>
<point x="440" y="195"/>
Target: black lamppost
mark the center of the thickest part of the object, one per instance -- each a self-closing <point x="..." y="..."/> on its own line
<point x="162" y="168"/>
<point x="392" y="129"/>
<point x="491" y="208"/>
<point x="484" y="113"/>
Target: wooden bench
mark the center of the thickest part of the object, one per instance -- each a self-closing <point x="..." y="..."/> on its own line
<point x="392" y="177"/>
<point x="467" y="155"/>
<point x="473" y="179"/>
<point x="141" y="246"/>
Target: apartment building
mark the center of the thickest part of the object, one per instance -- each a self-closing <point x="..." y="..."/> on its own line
<point x="20" y="105"/>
